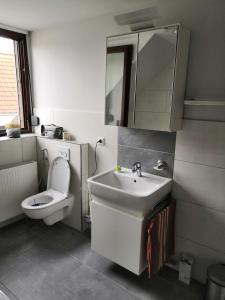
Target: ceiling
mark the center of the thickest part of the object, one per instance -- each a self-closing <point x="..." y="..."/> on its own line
<point x="38" y="14"/>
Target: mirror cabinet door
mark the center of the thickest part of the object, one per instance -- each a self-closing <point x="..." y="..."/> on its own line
<point x="155" y="78"/>
<point x="121" y="67"/>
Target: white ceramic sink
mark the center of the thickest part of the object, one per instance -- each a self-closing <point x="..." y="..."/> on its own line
<point x="128" y="192"/>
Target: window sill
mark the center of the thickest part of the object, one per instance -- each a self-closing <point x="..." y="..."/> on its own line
<point x="25" y="135"/>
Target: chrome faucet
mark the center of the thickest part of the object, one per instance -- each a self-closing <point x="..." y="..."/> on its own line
<point x="137" y="168"/>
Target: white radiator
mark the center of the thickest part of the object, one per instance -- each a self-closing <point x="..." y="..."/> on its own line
<point x="17" y="182"/>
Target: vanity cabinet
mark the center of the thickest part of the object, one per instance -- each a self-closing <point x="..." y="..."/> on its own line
<point x="145" y="78"/>
<point x="119" y="236"/>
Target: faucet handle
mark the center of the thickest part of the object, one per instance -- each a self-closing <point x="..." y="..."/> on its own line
<point x="136" y="166"/>
<point x="160" y="165"/>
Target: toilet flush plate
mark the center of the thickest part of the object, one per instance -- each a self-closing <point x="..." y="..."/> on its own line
<point x="63" y="152"/>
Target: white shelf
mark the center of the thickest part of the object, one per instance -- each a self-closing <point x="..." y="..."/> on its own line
<point x="205" y="110"/>
<point x="204" y="102"/>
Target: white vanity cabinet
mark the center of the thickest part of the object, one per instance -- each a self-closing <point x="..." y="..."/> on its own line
<point x="121" y="204"/>
<point x="119" y="236"/>
<point x="146" y="77"/>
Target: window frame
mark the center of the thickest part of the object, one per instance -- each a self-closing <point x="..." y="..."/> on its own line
<point x="24" y="75"/>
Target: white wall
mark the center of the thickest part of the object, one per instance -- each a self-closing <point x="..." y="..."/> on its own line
<point x="199" y="187"/>
<point x="69" y="83"/>
<point x="68" y="65"/>
<point x="205" y="19"/>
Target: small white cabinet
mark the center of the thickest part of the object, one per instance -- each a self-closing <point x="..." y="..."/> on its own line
<point x="119" y="236"/>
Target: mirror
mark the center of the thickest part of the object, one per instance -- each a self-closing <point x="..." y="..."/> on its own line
<point x="155" y="77"/>
<point x="121" y="59"/>
<point x="118" y="84"/>
<point x="145" y="78"/>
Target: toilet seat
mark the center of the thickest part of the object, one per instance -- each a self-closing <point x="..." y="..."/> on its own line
<point x="43" y="200"/>
<point x="54" y="204"/>
<point x="59" y="176"/>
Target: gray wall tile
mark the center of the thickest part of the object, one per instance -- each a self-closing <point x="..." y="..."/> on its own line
<point x="154" y="140"/>
<point x="148" y="158"/>
<point x="147" y="147"/>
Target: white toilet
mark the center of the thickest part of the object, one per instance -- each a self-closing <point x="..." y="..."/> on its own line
<point x="55" y="203"/>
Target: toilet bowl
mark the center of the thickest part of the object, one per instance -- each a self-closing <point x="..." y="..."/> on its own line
<point x="54" y="204"/>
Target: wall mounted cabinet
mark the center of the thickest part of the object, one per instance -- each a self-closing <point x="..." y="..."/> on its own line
<point x="145" y="86"/>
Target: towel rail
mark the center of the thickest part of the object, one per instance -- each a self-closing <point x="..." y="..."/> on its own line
<point x="159" y="206"/>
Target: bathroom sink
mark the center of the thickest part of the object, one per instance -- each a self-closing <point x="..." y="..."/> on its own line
<point x="128" y="192"/>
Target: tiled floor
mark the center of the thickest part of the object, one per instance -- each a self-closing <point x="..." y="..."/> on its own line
<point x="56" y="263"/>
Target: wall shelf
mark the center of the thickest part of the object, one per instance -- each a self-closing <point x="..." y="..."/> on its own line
<point x="205" y="110"/>
<point x="204" y="102"/>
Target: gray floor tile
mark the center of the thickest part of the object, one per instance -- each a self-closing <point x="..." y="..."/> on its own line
<point x="140" y="286"/>
<point x="38" y="274"/>
<point x="66" y="237"/>
<point x="172" y="276"/>
<point x="39" y="262"/>
<point x="181" y="294"/>
<point x="9" y="263"/>
<point x="85" y="283"/>
<point x="97" y="262"/>
<point x="19" y="236"/>
<point x="155" y="288"/>
<point x="71" y="241"/>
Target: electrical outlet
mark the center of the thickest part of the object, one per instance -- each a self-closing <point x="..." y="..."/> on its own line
<point x="102" y="139"/>
<point x="63" y="152"/>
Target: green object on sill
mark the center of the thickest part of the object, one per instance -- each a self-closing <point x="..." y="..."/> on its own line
<point x="118" y="168"/>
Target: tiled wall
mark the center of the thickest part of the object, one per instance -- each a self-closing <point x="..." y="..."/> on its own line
<point x="199" y="183"/>
<point x="147" y="147"/>
<point x="85" y="127"/>
<point x="199" y="188"/>
<point x="14" y="151"/>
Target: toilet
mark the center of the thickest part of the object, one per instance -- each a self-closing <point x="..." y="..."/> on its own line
<point x="54" y="204"/>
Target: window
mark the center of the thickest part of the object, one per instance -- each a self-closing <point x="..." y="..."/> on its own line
<point x="15" y="92"/>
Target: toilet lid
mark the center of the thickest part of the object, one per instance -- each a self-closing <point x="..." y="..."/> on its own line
<point x="59" y="175"/>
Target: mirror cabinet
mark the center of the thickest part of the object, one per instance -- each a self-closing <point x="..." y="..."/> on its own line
<point x="145" y="78"/>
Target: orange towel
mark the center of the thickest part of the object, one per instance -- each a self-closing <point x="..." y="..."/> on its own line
<point x="160" y="243"/>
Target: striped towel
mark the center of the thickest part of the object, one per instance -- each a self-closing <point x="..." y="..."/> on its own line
<point x="160" y="243"/>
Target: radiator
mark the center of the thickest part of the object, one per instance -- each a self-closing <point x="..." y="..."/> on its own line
<point x="17" y="182"/>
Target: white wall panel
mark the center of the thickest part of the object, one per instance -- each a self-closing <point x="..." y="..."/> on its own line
<point x="10" y="151"/>
<point x="199" y="184"/>
<point x="201" y="225"/>
<point x="29" y="148"/>
<point x="202" y="142"/>
<point x="17" y="150"/>
<point x="199" y="187"/>
<point x="87" y="127"/>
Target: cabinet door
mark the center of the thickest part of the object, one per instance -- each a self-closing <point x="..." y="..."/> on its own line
<point x="155" y="78"/>
<point x="118" y="236"/>
<point x="121" y="66"/>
